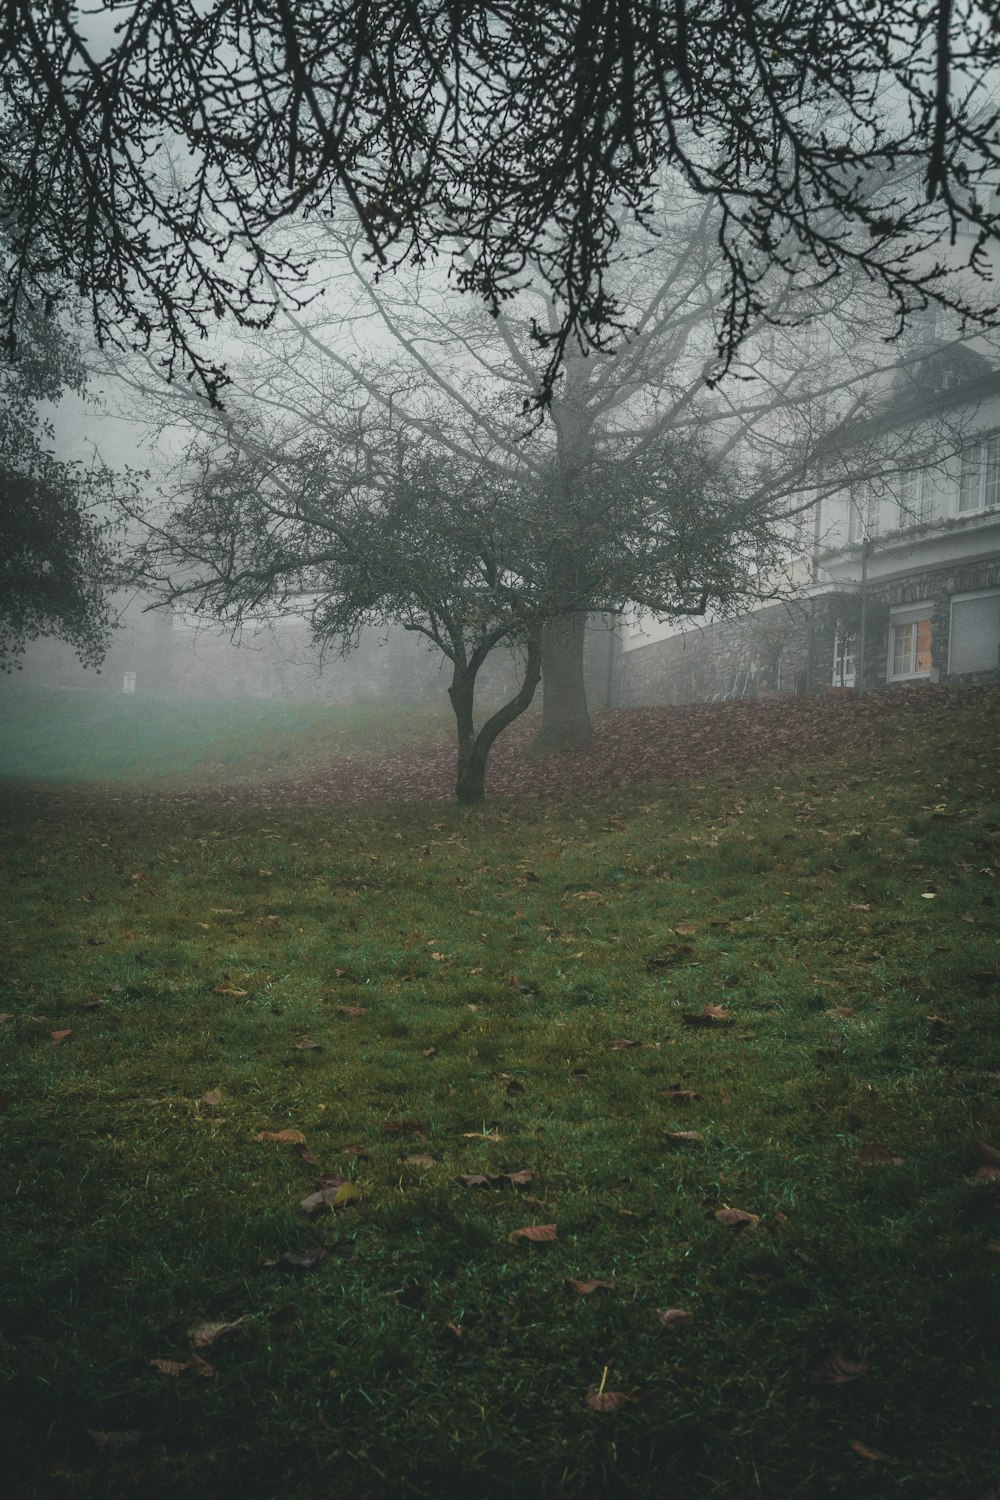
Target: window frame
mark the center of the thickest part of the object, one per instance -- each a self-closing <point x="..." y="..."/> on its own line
<point x="913" y="616"/>
<point x="967" y="598"/>
<point x="984" y="471"/>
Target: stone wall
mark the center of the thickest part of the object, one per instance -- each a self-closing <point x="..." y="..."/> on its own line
<point x="789" y="647"/>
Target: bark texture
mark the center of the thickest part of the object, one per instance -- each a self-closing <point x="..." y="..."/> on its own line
<point x="565" y="716"/>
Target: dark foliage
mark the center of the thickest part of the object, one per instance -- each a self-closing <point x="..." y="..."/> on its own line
<point x="149" y="162"/>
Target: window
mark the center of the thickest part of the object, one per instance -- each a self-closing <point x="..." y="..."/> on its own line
<point x="844" y="665"/>
<point x="980" y="484"/>
<point x="910" y="643"/>
<point x="974" y="639"/>
<point x="862" y="513"/>
<point x="916" y="496"/>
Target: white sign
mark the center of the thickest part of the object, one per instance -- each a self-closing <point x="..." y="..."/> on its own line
<point x="128" y="682"/>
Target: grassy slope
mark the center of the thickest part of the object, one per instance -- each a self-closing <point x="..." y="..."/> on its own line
<point x="834" y="909"/>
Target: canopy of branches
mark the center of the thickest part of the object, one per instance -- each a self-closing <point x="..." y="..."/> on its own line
<point x="149" y="160"/>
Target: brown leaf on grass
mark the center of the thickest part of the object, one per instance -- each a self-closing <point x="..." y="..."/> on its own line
<point x="520" y="1179"/>
<point x="492" y="1134"/>
<point x="513" y="1086"/>
<point x="674" y="1317"/>
<point x="834" y="1368"/>
<point x="91" y="1005"/>
<point x="305" y="1154"/>
<point x="863" y="1451"/>
<point x="989" y="1156"/>
<point x="205" y="1334"/>
<point x="229" y="989"/>
<point x="299" y="1261"/>
<point x="430" y="1052"/>
<point x="736" y="1218"/>
<point x="622" y="1044"/>
<point x="678" y="1095"/>
<point x="358" y="1151"/>
<point x="61" y="1036"/>
<point x="283" y="1137"/>
<point x="589" y="896"/>
<point x="454" y="1330"/>
<point x="214" y="1097"/>
<point x="585" y="1288"/>
<point x="839" y="1011"/>
<point x="113" y="1444"/>
<point x="421" y="1159"/>
<point x="686" y="929"/>
<point x="340" y="973"/>
<point x="861" y="906"/>
<point x="352" y="1010"/>
<point x="337" y="1195"/>
<point x="874" y="1154"/>
<point x="193" y="1366"/>
<point x="605" y="1401"/>
<point x="8" y="1015"/>
<point x="712" y="1015"/>
<point x="987" y="1174"/>
<point x="536" y="1234"/>
<point x="308" y="1045"/>
<point x="685" y="1137"/>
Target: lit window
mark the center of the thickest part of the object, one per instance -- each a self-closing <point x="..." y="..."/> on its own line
<point x="910" y="648"/>
<point x="979" y="488"/>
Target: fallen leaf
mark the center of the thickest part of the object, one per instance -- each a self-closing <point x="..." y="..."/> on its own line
<point x="685" y="1137"/>
<point x="284" y="1137"/>
<point x="988" y="1155"/>
<point x="520" y="1179"/>
<point x="454" y="1329"/>
<point x="60" y="1036"/>
<point x="584" y="1288"/>
<point x="863" y="1451"/>
<point x="305" y="1154"/>
<point x="193" y="1366"/>
<point x="205" y="1334"/>
<point x="481" y="1179"/>
<point x="537" y="1234"/>
<point x="686" y="929"/>
<point x="987" y="1174"/>
<point x="622" y="1044"/>
<point x="229" y="989"/>
<point x="674" y="1317"/>
<point x="88" y="1005"/>
<point x="712" y="1015"/>
<point x="874" y="1154"/>
<point x="113" y="1444"/>
<point x="7" y="1015"/>
<point x="681" y="1096"/>
<point x="430" y="1052"/>
<point x="834" y="1368"/>
<point x="308" y="1045"/>
<point x="513" y="1086"/>
<point x="214" y="1097"/>
<point x="351" y="1010"/>
<point x="421" y="1159"/>
<point x="336" y="1195"/>
<point x="481" y="1135"/>
<point x="588" y="896"/>
<point x="861" y="906"/>
<point x="301" y="1261"/>
<point x="605" y="1401"/>
<point x="840" y="1010"/>
<point x="736" y="1218"/>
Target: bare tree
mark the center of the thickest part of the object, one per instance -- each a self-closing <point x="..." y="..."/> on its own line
<point x="532" y="134"/>
<point x="367" y="524"/>
<point x="790" y="416"/>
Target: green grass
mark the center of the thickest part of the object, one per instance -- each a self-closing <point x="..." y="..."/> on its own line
<point x="518" y="943"/>
<point x="108" y="737"/>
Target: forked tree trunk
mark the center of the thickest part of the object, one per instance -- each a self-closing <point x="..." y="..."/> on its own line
<point x="565" y="717"/>
<point x="473" y="748"/>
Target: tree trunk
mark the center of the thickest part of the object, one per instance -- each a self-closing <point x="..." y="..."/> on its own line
<point x="565" y="718"/>
<point x="474" y="749"/>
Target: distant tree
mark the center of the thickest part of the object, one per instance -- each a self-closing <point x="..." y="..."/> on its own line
<point x="148" y="149"/>
<point x="815" y="363"/>
<point x="57" y="550"/>
<point x="372" y="526"/>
